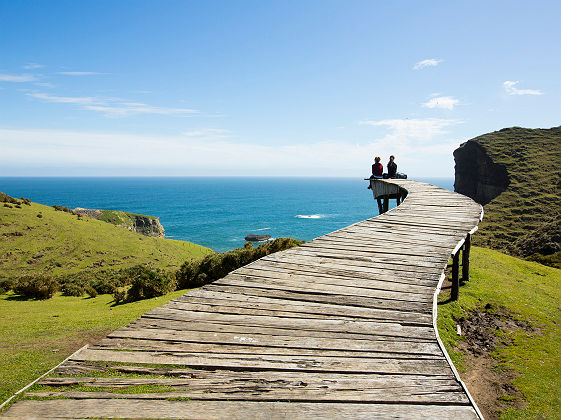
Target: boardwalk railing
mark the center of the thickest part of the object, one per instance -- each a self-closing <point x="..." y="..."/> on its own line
<point x="341" y="327"/>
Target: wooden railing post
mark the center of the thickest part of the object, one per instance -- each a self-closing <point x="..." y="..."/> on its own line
<point x="465" y="258"/>
<point x="455" y="276"/>
<point x="386" y="203"/>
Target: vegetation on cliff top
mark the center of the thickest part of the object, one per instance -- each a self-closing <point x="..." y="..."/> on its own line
<point x="526" y="218"/>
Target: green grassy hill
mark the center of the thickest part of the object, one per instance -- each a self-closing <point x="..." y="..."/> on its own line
<point x="526" y="218"/>
<point x="508" y="347"/>
<point x="39" y="239"/>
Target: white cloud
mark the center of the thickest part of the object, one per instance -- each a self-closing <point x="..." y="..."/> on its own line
<point x="511" y="89"/>
<point x="113" y="107"/>
<point x="17" y="78"/>
<point x="79" y="73"/>
<point x="207" y="133"/>
<point x="444" y="102"/>
<point x="413" y="142"/>
<point x="413" y="130"/>
<point x="64" y="99"/>
<point x="32" y="66"/>
<point x="430" y="62"/>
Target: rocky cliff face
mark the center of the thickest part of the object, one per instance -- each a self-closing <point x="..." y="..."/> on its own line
<point x="145" y="225"/>
<point x="477" y="176"/>
<point x="148" y="226"/>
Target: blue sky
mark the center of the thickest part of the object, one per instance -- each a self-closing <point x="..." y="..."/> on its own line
<point x="272" y="88"/>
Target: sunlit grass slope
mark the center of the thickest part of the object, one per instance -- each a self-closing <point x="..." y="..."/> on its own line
<point x="36" y="335"/>
<point x="36" y="238"/>
<point x="531" y="292"/>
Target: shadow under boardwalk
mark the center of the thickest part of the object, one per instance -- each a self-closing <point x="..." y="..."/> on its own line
<point x="341" y="327"/>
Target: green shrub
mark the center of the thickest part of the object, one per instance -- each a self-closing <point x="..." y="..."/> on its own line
<point x="6" y="285"/>
<point x="215" y="266"/>
<point x="62" y="208"/>
<point x="36" y="287"/>
<point x="119" y="295"/>
<point x="39" y="215"/>
<point x="91" y="291"/>
<point x="148" y="283"/>
<point x="72" y="289"/>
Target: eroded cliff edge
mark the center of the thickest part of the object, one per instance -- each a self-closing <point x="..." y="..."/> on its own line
<point x="477" y="176"/>
<point x="516" y="174"/>
<point x="145" y="225"/>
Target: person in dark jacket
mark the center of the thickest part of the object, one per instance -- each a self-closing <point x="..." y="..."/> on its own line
<point x="377" y="167"/>
<point x="392" y="167"/>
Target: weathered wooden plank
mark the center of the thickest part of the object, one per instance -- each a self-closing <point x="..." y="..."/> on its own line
<point x="186" y="347"/>
<point x="324" y="325"/>
<point x="235" y="301"/>
<point x="312" y="286"/>
<point x="404" y="395"/>
<point x="327" y="298"/>
<point x="387" y="283"/>
<point x="358" y="272"/>
<point x="269" y="362"/>
<point x="268" y="340"/>
<point x="249" y="410"/>
<point x="257" y="325"/>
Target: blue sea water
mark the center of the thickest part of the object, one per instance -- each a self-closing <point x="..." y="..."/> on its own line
<point x="217" y="212"/>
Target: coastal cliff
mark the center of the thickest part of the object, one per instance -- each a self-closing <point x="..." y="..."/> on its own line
<point x="515" y="173"/>
<point x="477" y="176"/>
<point x="145" y="225"/>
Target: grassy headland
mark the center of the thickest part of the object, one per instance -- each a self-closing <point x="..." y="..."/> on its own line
<point x="526" y="218"/>
<point x="35" y="238"/>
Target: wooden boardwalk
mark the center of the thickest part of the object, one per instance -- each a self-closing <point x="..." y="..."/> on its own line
<point x="342" y="327"/>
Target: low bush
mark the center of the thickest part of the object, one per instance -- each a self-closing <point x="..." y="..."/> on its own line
<point x="147" y="283"/>
<point x="72" y="289"/>
<point x="62" y="208"/>
<point x="215" y="266"/>
<point x="6" y="285"/>
<point x="36" y="287"/>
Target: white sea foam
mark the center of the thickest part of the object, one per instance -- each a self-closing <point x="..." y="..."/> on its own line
<point x="310" y="216"/>
<point x="262" y="229"/>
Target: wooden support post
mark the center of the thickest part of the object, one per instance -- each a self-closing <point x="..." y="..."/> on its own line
<point x="455" y="276"/>
<point x="465" y="258"/>
<point x="397" y="201"/>
<point x="386" y="203"/>
<point x="380" y="207"/>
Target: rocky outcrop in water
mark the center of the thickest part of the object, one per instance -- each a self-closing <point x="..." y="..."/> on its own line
<point x="477" y="176"/>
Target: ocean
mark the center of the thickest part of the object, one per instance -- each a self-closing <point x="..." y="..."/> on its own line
<point x="217" y="212"/>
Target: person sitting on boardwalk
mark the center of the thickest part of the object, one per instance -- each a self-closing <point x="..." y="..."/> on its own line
<point x="377" y="168"/>
<point x="392" y="167"/>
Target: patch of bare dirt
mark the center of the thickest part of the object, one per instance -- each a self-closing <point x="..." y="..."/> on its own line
<point x="490" y="384"/>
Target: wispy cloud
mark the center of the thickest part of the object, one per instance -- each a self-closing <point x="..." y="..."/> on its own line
<point x="413" y="130"/>
<point x="33" y="66"/>
<point x="208" y="133"/>
<point x="415" y="143"/>
<point x="429" y="62"/>
<point x="113" y="107"/>
<point x="85" y="100"/>
<point x="17" y="78"/>
<point x="443" y="102"/>
<point x="79" y="73"/>
<point x="511" y="89"/>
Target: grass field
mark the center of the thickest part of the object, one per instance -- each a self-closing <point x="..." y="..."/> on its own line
<point x="524" y="296"/>
<point x="37" y="238"/>
<point x="36" y="335"/>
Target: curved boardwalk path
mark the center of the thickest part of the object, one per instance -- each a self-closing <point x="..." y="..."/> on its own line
<point x="341" y="327"/>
